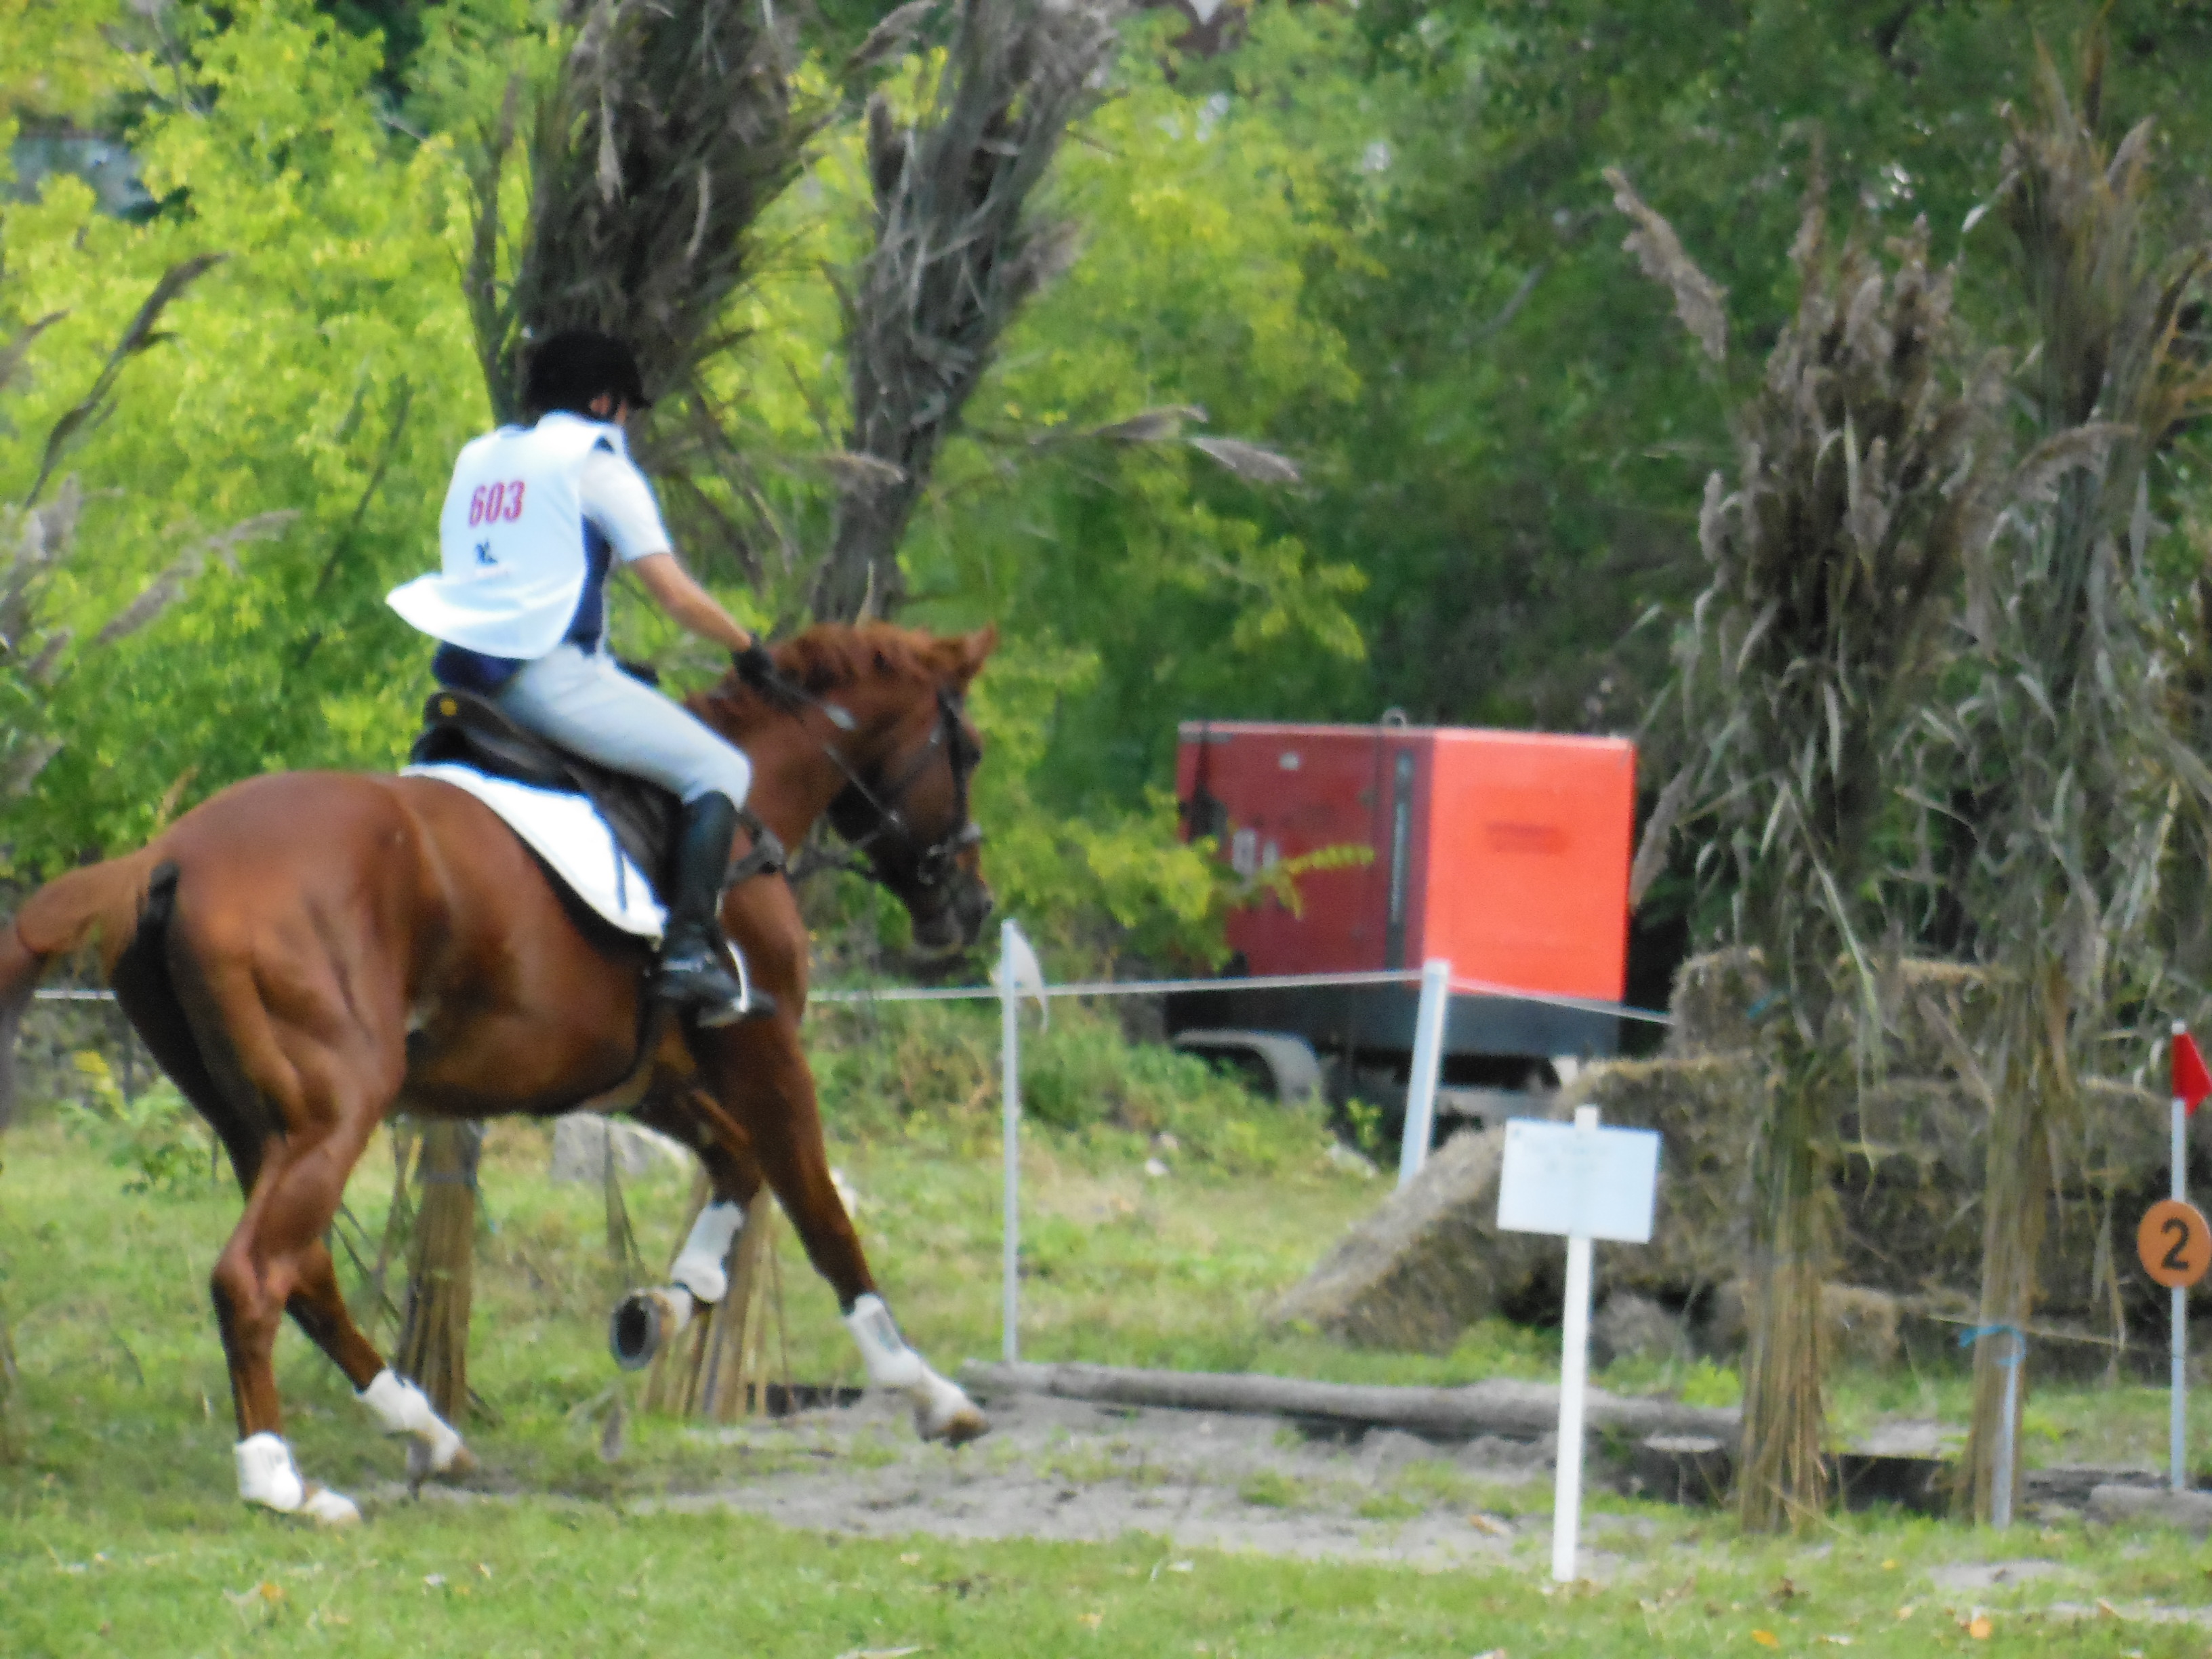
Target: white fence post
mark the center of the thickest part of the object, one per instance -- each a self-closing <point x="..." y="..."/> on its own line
<point x="1428" y="1060"/>
<point x="1574" y="1380"/>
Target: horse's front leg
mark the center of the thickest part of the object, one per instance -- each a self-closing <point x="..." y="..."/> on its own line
<point x="760" y="1076"/>
<point x="647" y="1319"/>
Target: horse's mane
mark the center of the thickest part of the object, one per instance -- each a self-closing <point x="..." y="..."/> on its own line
<point x="835" y="656"/>
<point x="832" y="655"/>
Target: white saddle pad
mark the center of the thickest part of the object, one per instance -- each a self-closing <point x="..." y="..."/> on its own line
<point x="570" y="835"/>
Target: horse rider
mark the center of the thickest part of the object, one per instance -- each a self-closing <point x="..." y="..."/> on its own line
<point x="534" y="521"/>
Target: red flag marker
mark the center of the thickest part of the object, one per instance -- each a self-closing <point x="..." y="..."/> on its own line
<point x="2191" y="1081"/>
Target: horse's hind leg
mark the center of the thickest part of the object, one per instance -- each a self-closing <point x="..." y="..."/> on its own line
<point x="317" y="1308"/>
<point x="304" y="1064"/>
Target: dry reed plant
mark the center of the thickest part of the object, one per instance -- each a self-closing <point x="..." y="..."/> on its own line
<point x="719" y="1371"/>
<point x="668" y="129"/>
<point x="958" y="249"/>
<point x="434" y="1332"/>
<point x="1860" y="490"/>
<point x="2065" y="742"/>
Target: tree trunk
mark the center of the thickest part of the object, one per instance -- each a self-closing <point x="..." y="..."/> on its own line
<point x="861" y="577"/>
<point x="434" y="1337"/>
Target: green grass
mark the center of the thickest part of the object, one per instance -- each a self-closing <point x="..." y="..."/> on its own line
<point x="119" y="1532"/>
<point x="548" y="1579"/>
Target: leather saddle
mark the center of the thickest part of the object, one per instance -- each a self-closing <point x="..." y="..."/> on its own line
<point x="460" y="729"/>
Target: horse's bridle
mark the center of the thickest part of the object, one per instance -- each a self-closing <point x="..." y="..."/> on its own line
<point x="933" y="864"/>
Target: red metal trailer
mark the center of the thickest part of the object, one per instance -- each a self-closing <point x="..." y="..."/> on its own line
<point x="1505" y="853"/>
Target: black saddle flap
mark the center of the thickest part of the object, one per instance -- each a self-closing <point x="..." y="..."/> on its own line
<point x="459" y="729"/>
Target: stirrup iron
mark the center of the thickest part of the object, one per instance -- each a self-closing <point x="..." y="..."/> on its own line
<point x="750" y="1003"/>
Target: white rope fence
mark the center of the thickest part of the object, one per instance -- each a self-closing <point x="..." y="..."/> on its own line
<point x="1020" y="975"/>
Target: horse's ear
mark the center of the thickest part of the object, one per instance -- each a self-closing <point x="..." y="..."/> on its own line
<point x="975" y="649"/>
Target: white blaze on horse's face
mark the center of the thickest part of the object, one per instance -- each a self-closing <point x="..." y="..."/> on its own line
<point x="942" y="1409"/>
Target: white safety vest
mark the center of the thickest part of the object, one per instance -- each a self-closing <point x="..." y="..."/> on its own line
<point x="512" y="540"/>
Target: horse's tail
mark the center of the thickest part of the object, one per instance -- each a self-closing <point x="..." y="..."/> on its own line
<point x="101" y="900"/>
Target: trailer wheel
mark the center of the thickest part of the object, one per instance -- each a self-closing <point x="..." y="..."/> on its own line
<point x="1275" y="1062"/>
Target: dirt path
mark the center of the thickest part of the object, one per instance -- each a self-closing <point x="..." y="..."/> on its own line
<point x="1062" y="1469"/>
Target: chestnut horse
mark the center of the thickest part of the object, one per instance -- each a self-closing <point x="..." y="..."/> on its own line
<point x="306" y="952"/>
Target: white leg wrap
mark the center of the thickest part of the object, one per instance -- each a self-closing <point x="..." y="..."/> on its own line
<point x="400" y="1407"/>
<point x="942" y="1409"/>
<point x="699" y="1266"/>
<point x="890" y="1363"/>
<point x="267" y="1476"/>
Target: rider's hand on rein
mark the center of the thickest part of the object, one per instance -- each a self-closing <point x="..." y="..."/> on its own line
<point x="757" y="671"/>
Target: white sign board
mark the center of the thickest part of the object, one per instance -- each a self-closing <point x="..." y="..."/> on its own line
<point x="1578" y="1182"/>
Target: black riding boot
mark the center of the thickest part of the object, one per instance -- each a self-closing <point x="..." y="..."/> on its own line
<point x="694" y="972"/>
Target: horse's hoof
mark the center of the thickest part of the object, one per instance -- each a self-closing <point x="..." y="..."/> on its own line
<point x="644" y="1322"/>
<point x="943" y="1411"/>
<point x="268" y="1476"/>
<point x="963" y="1426"/>
<point x="423" y="1460"/>
<point x="326" y="1507"/>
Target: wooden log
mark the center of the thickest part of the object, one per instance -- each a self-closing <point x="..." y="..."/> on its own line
<point x="1519" y="1410"/>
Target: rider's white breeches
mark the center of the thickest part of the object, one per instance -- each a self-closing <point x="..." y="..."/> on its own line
<point x="583" y="702"/>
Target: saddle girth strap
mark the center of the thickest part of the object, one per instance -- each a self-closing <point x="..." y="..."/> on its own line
<point x="766" y="857"/>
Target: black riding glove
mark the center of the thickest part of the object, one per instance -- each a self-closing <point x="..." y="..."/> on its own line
<point x="756" y="671"/>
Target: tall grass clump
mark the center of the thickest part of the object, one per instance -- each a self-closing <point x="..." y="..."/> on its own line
<point x="2064" y="744"/>
<point x="1857" y="494"/>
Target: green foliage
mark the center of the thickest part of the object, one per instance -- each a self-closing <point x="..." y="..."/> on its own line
<point x="160" y="1144"/>
<point x="1374" y="240"/>
<point x="1208" y="219"/>
<point x="1521" y="480"/>
<point x="325" y="369"/>
<point x="932" y="1070"/>
<point x="58" y="63"/>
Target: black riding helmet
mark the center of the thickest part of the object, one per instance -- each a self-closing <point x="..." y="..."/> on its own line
<point x="570" y="368"/>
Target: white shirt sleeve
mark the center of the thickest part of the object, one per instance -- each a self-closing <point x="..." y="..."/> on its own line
<point x="616" y="498"/>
